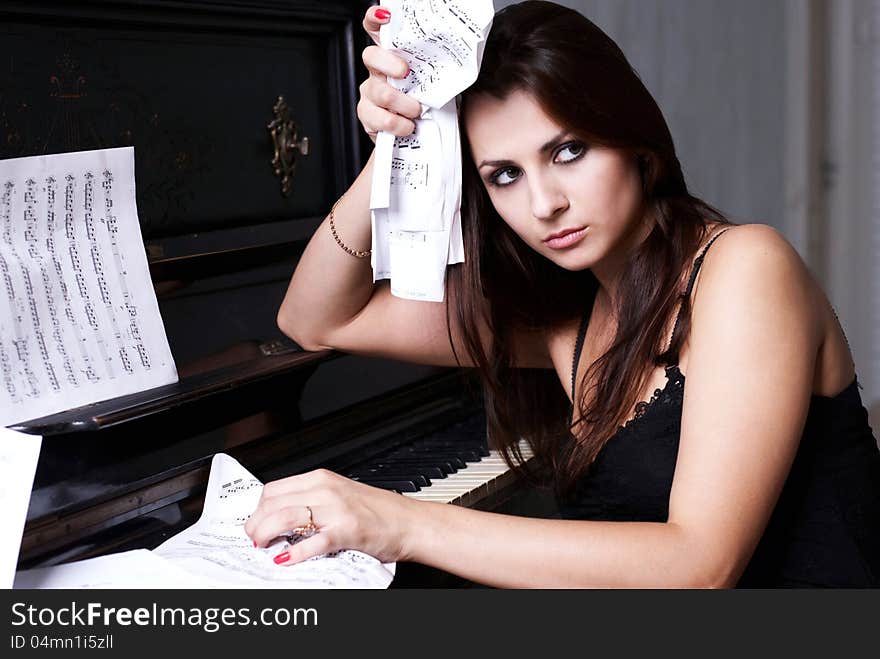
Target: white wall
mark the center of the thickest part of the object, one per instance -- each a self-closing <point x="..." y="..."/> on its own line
<point x="852" y="210"/>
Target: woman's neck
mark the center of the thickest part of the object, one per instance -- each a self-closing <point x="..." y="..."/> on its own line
<point x="609" y="270"/>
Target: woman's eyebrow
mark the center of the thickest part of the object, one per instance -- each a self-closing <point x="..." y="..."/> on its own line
<point x="544" y="148"/>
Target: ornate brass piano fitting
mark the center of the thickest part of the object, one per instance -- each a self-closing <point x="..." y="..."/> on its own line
<point x="285" y="138"/>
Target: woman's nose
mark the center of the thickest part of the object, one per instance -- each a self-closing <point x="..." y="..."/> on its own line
<point x="547" y="199"/>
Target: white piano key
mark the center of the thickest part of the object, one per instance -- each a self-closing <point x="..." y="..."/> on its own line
<point x="475" y="481"/>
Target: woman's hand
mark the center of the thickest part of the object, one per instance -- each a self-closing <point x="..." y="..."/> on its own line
<point x="381" y="106"/>
<point x="347" y="514"/>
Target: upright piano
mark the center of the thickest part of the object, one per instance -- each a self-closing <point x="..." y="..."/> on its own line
<point x="242" y="117"/>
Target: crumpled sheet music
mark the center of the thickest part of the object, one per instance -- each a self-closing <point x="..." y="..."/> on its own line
<point x="19" y="454"/>
<point x="416" y="189"/>
<point x="79" y="321"/>
<point x="138" y="568"/>
<point x="215" y="552"/>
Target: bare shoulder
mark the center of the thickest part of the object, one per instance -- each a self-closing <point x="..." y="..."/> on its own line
<point x="752" y="274"/>
<point x="759" y="259"/>
<point x="752" y="367"/>
<point x="745" y="246"/>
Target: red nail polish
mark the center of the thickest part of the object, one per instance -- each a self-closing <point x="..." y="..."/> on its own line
<point x="255" y="543"/>
<point x="383" y="14"/>
<point x="283" y="557"/>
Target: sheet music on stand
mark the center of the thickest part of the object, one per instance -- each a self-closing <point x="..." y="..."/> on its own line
<point x="79" y="320"/>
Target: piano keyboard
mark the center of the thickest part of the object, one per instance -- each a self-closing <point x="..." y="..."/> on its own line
<point x="454" y="466"/>
<point x="476" y="482"/>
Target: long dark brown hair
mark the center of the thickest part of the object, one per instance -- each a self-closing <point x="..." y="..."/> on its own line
<point x="583" y="81"/>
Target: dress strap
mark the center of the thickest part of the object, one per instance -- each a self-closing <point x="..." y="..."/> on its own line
<point x="582" y="329"/>
<point x="699" y="261"/>
<point x="690" y="287"/>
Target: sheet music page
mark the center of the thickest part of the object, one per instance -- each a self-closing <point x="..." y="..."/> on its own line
<point x="138" y="568"/>
<point x="442" y="41"/>
<point x="217" y="549"/>
<point x="18" y="464"/>
<point x="416" y="189"/>
<point x="215" y="552"/>
<point x="79" y="321"/>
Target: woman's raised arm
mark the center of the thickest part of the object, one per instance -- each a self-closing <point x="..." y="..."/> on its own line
<point x="331" y="301"/>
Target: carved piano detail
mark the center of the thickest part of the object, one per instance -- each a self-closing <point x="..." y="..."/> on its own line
<point x="287" y="143"/>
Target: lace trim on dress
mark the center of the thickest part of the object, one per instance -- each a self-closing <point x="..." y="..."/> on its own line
<point x="672" y="392"/>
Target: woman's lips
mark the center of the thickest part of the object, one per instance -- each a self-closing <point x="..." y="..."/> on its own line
<point x="566" y="239"/>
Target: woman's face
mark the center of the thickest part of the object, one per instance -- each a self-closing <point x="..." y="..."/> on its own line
<point x="578" y="205"/>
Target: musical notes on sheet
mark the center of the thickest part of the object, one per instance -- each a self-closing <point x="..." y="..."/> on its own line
<point x="238" y="485"/>
<point x="416" y="183"/>
<point x="79" y="320"/>
<point x="439" y="40"/>
<point x="413" y="175"/>
<point x="215" y="552"/>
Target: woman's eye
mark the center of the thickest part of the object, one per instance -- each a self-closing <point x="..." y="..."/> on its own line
<point x="570" y="152"/>
<point x="504" y="176"/>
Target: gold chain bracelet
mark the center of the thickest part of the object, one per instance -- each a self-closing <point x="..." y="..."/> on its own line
<point x="354" y="252"/>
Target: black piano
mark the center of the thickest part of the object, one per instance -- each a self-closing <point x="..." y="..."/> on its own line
<point x="242" y="116"/>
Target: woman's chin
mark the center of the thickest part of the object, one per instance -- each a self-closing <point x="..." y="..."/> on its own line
<point x="573" y="260"/>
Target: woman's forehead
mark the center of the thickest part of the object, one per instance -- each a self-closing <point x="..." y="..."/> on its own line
<point x="516" y="122"/>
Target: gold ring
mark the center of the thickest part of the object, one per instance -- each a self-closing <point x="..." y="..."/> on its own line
<point x="306" y="531"/>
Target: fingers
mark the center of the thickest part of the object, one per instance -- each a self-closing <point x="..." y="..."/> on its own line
<point x="275" y="514"/>
<point x="345" y="514"/>
<point x="318" y="544"/>
<point x="376" y="91"/>
<point x="279" y="522"/>
<point x="374" y="19"/>
<point x="384" y="63"/>
<point x="265" y="527"/>
<point x="375" y="119"/>
<point x="381" y="106"/>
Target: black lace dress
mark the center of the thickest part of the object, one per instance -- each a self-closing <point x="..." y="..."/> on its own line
<point x="825" y="529"/>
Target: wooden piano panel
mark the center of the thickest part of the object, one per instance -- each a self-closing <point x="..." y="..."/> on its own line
<point x="191" y="85"/>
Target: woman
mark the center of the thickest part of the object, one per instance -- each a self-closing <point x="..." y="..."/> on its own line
<point x="589" y="265"/>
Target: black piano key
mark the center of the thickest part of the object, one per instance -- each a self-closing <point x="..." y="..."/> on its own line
<point x="453" y="462"/>
<point x="408" y="471"/>
<point x="446" y="466"/>
<point x="388" y="474"/>
<point x="457" y="458"/>
<point x="481" y="447"/>
<point x="431" y="468"/>
<point x="385" y="484"/>
<point x="444" y="437"/>
<point x="430" y="471"/>
<point x="467" y="453"/>
<point x="427" y="470"/>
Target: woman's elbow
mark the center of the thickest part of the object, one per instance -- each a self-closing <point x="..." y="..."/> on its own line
<point x="293" y="330"/>
<point x="713" y="575"/>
